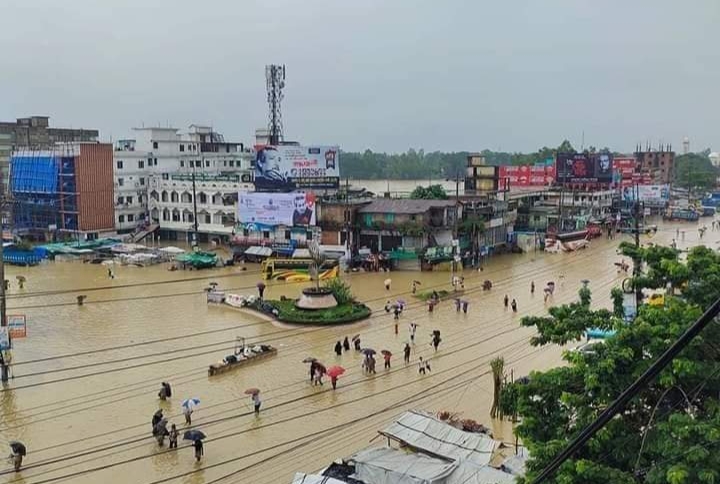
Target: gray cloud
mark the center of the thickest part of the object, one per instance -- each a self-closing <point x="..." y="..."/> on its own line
<point x="387" y="75"/>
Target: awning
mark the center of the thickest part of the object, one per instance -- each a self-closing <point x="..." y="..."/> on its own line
<point x="427" y="433"/>
<point x="301" y="254"/>
<point x="256" y="250"/>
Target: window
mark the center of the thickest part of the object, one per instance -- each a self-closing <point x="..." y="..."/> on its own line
<point x="120" y="200"/>
<point x="287" y="235"/>
<point x="128" y="200"/>
<point x="308" y="235"/>
<point x="164" y="196"/>
<point x="224" y="162"/>
<point x="141" y="164"/>
<point x="155" y="145"/>
<point x="227" y="148"/>
<point x="121" y="182"/>
<point x="203" y="198"/>
<point x="121" y="218"/>
<point x="155" y="161"/>
<point x="245" y="232"/>
<point x="266" y="234"/>
<point x="389" y="218"/>
<point x="207" y="163"/>
<point x="174" y="197"/>
<point x="182" y="147"/>
<point x="142" y="181"/>
<point x="119" y="164"/>
<point x="208" y="218"/>
<point x="232" y="162"/>
<point x="131" y="217"/>
<point x="182" y="163"/>
<point x="165" y="176"/>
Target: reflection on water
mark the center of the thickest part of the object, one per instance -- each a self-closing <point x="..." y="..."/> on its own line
<point x="103" y="401"/>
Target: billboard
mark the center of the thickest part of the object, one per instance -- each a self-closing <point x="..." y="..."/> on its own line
<point x="288" y="167"/>
<point x="16" y="325"/>
<point x="584" y="168"/>
<point x="271" y="209"/>
<point x="657" y="194"/>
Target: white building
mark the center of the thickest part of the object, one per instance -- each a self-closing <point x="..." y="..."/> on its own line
<point x="714" y="158"/>
<point x="160" y="153"/>
<point x="172" y="204"/>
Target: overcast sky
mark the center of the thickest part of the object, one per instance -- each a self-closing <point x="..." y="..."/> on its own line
<point x="380" y="74"/>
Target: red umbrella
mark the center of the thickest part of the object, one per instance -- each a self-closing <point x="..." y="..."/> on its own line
<point x="335" y="371"/>
<point x="386" y="352"/>
<point x="252" y="391"/>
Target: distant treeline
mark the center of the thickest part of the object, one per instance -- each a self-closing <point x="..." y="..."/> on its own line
<point x="416" y="164"/>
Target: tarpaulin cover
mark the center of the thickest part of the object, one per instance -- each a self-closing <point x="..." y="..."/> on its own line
<point x="301" y="478"/>
<point x="427" y="433"/>
<point x="35" y="173"/>
<point x="467" y="473"/>
<point x="516" y="464"/>
<point x="391" y="466"/>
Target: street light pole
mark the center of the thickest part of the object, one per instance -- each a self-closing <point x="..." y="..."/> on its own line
<point x="4" y="366"/>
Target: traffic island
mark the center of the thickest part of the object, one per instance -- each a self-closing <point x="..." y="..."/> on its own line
<point x="328" y="305"/>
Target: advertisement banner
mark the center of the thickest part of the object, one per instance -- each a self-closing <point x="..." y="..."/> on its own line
<point x="657" y="194"/>
<point x="271" y="209"/>
<point x="624" y="162"/>
<point x="584" y="168"/>
<point x="17" y="326"/>
<point x="287" y="167"/>
<point x="4" y="338"/>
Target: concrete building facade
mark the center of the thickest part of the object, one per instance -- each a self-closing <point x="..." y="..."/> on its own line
<point x="158" y="154"/>
<point x="34" y="132"/>
<point x="63" y="192"/>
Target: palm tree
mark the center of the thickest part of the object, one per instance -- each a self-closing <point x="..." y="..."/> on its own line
<point x="318" y="259"/>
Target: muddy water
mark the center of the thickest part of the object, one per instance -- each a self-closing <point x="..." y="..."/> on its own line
<point x="86" y="418"/>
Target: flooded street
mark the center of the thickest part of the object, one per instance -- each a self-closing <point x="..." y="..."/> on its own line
<point x="86" y="378"/>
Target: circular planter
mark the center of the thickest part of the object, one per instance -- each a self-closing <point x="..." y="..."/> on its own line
<point x="314" y="298"/>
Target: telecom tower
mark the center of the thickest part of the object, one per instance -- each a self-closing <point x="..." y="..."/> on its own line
<point x="686" y="145"/>
<point x="275" y="77"/>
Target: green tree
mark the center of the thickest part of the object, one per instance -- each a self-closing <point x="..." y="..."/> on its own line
<point x="433" y="192"/>
<point x="669" y="433"/>
<point x="695" y="171"/>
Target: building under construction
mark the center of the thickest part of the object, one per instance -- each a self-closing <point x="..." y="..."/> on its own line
<point x="63" y="192"/>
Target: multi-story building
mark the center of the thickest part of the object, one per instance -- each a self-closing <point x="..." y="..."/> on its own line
<point x="162" y="153"/>
<point x="659" y="164"/>
<point x="388" y="224"/>
<point x="175" y="198"/>
<point x="35" y="133"/>
<point x="63" y="192"/>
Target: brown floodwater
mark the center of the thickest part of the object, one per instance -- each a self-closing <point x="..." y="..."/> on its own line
<point x="86" y="377"/>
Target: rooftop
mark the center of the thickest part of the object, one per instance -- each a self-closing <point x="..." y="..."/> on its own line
<point x="404" y="206"/>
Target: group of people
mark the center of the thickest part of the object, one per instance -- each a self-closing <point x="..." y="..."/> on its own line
<point x="513" y="303"/>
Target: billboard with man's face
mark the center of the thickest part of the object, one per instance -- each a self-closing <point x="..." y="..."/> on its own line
<point x="584" y="168"/>
<point x="271" y="209"/>
<point x="288" y="167"/>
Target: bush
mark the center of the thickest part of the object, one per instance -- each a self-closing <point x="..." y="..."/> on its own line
<point x="442" y="294"/>
<point x="341" y="290"/>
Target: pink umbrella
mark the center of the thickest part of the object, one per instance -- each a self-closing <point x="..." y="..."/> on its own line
<point x="335" y="371"/>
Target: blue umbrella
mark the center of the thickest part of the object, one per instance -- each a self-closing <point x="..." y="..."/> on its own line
<point x="191" y="403"/>
<point x="193" y="435"/>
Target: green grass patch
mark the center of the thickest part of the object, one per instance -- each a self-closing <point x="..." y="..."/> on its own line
<point x="343" y="313"/>
<point x="442" y="294"/>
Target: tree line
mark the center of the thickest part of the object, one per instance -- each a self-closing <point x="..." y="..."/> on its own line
<point x="692" y="169"/>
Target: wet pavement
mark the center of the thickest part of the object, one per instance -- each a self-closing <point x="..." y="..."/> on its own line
<point x="86" y="378"/>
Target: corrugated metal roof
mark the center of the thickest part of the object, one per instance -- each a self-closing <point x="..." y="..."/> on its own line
<point x="428" y="434"/>
<point x="390" y="205"/>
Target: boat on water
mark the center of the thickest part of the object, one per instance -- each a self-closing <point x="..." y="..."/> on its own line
<point x="243" y="355"/>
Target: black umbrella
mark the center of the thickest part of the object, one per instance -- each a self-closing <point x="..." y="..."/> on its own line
<point x="18" y="448"/>
<point x="194" y="435"/>
<point x="368" y="351"/>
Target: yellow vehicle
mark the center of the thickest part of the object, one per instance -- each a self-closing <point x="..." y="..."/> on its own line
<point x="297" y="270"/>
<point x="656" y="300"/>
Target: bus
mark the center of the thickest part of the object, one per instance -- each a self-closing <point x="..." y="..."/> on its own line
<point x="297" y="270"/>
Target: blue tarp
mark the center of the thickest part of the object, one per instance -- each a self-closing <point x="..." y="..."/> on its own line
<point x="34" y="173"/>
